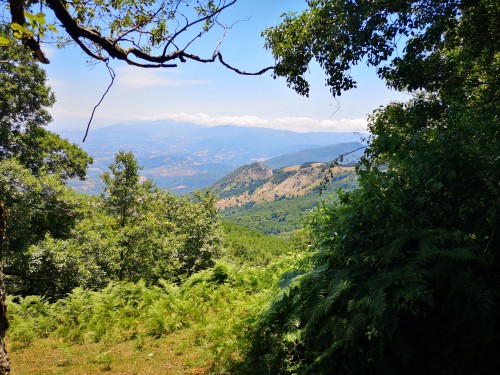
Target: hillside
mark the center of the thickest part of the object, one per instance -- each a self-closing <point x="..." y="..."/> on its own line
<point x="277" y="201"/>
<point x="183" y="157"/>
<point x="256" y="183"/>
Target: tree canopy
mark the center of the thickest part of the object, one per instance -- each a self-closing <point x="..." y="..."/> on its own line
<point x="25" y="98"/>
<point x="404" y="276"/>
<point x="404" y="40"/>
<point x="145" y="33"/>
<point x="34" y="163"/>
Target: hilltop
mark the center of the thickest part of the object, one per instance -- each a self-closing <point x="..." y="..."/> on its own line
<point x="184" y="157"/>
<point x="256" y="183"/>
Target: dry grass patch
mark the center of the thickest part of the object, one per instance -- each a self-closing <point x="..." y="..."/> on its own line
<point x="174" y="354"/>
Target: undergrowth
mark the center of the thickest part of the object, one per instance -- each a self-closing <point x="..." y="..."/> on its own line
<point x="218" y="306"/>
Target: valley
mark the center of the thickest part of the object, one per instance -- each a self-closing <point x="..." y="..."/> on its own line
<point x="184" y="157"/>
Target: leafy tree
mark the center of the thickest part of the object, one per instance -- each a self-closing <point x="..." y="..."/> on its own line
<point x="122" y="190"/>
<point x="33" y="164"/>
<point x="123" y="195"/>
<point x="131" y="232"/>
<point x="35" y="161"/>
<point x="405" y="273"/>
<point x="87" y="257"/>
<point x="23" y="116"/>
<point x="203" y="230"/>
<point x="167" y="238"/>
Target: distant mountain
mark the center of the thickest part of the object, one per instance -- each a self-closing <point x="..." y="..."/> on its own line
<point x="322" y="154"/>
<point x="183" y="157"/>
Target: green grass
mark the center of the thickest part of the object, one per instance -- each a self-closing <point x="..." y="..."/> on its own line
<point x="197" y="327"/>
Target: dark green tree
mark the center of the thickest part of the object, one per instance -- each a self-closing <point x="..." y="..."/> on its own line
<point x="405" y="275"/>
<point x="26" y="145"/>
<point x="33" y="166"/>
<point x="23" y="116"/>
<point x="202" y="230"/>
<point x="167" y="237"/>
<point x="123" y="195"/>
<point x="123" y="189"/>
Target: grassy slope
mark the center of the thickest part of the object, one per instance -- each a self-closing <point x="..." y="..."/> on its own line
<point x="195" y="328"/>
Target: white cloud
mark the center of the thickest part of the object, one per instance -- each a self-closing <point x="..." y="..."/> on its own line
<point x="298" y="124"/>
<point x="56" y="83"/>
<point x="133" y="77"/>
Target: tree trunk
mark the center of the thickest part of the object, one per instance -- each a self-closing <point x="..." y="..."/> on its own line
<point x="4" y="323"/>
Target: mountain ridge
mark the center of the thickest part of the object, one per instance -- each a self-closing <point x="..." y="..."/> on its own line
<point x="255" y="183"/>
<point x="183" y="157"/>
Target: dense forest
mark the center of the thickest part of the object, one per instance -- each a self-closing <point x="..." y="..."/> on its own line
<point x="397" y="276"/>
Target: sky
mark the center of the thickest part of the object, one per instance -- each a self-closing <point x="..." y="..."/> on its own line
<point x="210" y="94"/>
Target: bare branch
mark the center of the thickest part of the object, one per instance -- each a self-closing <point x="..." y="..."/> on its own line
<point x="139" y="25"/>
<point x="112" y="75"/>
<point x="218" y="56"/>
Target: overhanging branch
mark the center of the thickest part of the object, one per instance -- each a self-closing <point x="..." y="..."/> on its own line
<point x="102" y="47"/>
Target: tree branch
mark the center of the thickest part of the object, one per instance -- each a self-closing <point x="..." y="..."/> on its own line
<point x="112" y="75"/>
<point x="101" y="47"/>
<point x="17" y="16"/>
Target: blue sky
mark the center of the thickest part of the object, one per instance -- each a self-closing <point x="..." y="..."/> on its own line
<point x="208" y="93"/>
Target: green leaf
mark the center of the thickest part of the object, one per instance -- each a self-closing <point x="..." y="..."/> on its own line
<point x="17" y="27"/>
<point x="4" y="41"/>
<point x="29" y="15"/>
<point x="52" y="28"/>
<point x="40" y="18"/>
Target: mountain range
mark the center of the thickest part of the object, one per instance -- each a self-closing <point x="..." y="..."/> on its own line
<point x="183" y="157"/>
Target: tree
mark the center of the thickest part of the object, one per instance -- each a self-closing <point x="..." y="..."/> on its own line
<point x="145" y="33"/>
<point x="404" y="276"/>
<point x="4" y="322"/>
<point x="23" y="116"/>
<point x="122" y="197"/>
<point x="160" y="236"/>
<point x="26" y="148"/>
<point x="86" y="257"/>
<point x="122" y="190"/>
<point x="33" y="166"/>
<point x="202" y="230"/>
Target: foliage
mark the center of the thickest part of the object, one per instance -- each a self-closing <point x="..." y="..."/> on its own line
<point x="173" y="236"/>
<point x="213" y="307"/>
<point x="163" y="237"/>
<point x="339" y="34"/>
<point x="405" y="273"/>
<point x="122" y="190"/>
<point x="283" y="216"/>
<point x="23" y="114"/>
<point x="144" y="33"/>
<point x="38" y="206"/>
<point x="34" y="163"/>
<point x="251" y="247"/>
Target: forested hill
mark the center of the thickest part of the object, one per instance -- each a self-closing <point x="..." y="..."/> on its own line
<point x="277" y="201"/>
